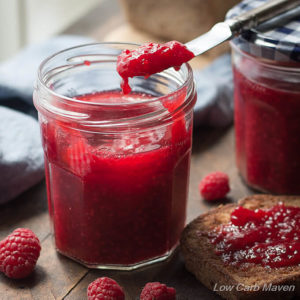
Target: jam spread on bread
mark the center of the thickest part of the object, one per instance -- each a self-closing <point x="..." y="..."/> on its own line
<point x="266" y="237"/>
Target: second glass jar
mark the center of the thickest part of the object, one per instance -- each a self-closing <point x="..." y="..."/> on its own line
<point x="267" y="122"/>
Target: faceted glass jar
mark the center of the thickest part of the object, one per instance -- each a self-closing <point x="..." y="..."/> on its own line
<point x="267" y="122"/>
<point x="117" y="167"/>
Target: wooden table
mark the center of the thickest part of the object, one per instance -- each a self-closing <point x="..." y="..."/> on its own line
<point x="57" y="277"/>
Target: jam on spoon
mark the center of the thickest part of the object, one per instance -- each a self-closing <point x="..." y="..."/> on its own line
<point x="149" y="59"/>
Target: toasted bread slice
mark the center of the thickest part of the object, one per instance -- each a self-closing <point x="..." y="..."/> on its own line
<point x="254" y="282"/>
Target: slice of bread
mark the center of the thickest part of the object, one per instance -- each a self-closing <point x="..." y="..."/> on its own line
<point x="243" y="283"/>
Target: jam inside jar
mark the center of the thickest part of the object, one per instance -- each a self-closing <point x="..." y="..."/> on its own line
<point x="267" y="122"/>
<point x="117" y="166"/>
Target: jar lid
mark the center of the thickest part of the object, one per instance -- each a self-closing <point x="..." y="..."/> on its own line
<point x="279" y="43"/>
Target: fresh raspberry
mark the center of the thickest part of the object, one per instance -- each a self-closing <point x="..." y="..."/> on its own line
<point x="214" y="186"/>
<point x="157" y="291"/>
<point x="105" y="288"/>
<point x="19" y="253"/>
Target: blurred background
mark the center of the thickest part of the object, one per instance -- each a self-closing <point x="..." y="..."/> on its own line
<point x="24" y="22"/>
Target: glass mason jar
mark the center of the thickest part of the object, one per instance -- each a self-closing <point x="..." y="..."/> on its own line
<point x="267" y="122"/>
<point x="266" y="67"/>
<point x="117" y="166"/>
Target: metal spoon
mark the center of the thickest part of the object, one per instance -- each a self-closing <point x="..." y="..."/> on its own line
<point x="226" y="30"/>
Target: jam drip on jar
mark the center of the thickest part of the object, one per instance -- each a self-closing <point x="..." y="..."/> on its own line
<point x="266" y="237"/>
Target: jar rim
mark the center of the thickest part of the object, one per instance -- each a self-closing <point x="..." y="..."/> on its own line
<point x="41" y="81"/>
<point x="65" y="108"/>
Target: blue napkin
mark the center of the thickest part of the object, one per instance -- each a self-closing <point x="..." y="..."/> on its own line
<point x="21" y="154"/>
<point x="214" y="85"/>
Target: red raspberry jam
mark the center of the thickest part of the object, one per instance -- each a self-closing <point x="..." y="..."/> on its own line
<point x="267" y="129"/>
<point x="266" y="237"/>
<point x="149" y="59"/>
<point x="117" y="201"/>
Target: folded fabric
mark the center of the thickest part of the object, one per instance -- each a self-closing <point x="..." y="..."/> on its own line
<point x="18" y="74"/>
<point x="214" y="85"/>
<point x="21" y="155"/>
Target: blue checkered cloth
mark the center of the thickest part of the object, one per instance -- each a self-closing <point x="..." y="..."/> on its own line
<point x="277" y="39"/>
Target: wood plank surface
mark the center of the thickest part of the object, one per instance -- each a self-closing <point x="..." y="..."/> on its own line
<point x="57" y="277"/>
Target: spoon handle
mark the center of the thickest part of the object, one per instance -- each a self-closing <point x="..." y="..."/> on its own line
<point x="256" y="16"/>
